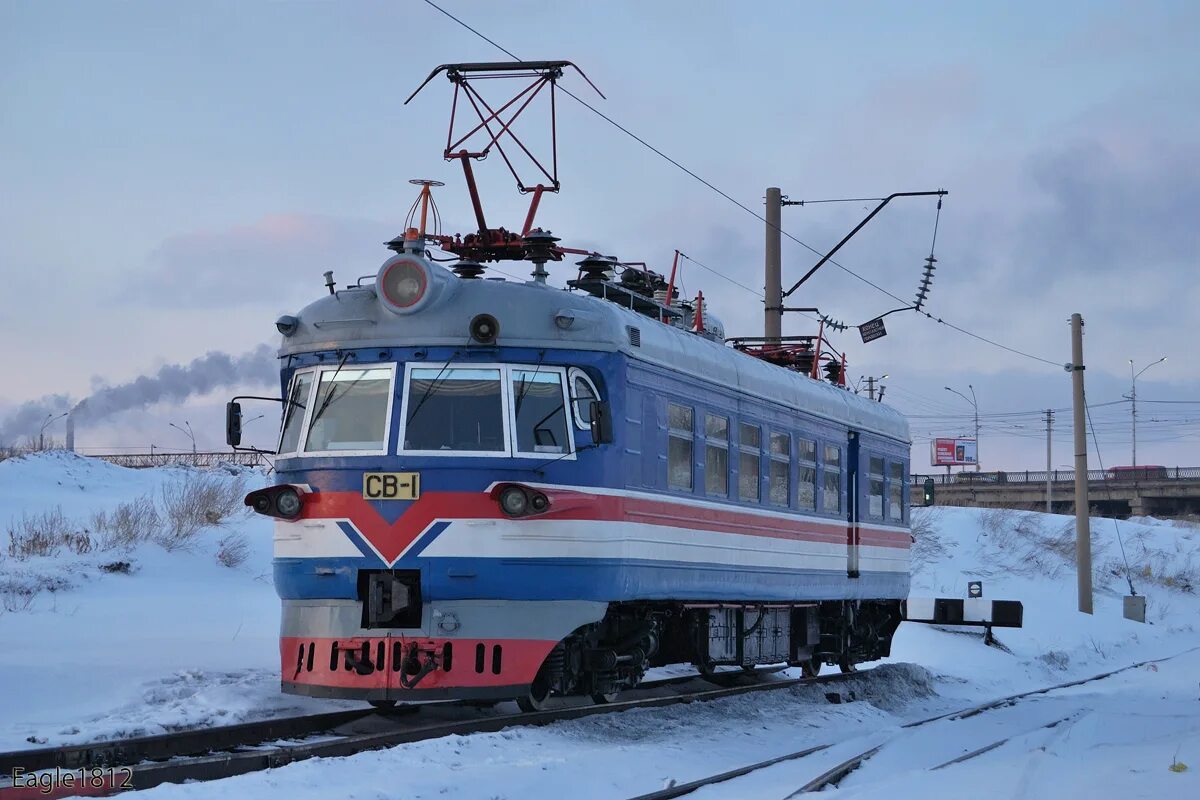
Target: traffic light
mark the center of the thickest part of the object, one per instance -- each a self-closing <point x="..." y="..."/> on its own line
<point x="833" y="371"/>
<point x="928" y="493"/>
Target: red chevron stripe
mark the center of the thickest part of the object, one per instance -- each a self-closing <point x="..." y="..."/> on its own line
<point x="391" y="540"/>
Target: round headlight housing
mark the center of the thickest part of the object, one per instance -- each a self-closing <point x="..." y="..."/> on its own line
<point x="513" y="501"/>
<point x="287" y="503"/>
<point x="402" y="283"/>
<point x="262" y="502"/>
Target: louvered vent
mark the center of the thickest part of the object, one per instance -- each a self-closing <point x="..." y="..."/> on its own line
<point x="635" y="335"/>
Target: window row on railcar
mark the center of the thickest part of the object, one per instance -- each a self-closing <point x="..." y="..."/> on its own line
<point x="753" y="462"/>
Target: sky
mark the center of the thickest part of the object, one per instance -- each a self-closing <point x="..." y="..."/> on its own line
<point x="176" y="176"/>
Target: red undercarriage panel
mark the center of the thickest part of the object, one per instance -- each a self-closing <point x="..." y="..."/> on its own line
<point x="377" y="668"/>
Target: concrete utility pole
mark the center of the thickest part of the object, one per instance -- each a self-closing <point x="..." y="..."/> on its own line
<point x="1049" y="475"/>
<point x="1083" y="535"/>
<point x="773" y="300"/>
<point x="1133" y="401"/>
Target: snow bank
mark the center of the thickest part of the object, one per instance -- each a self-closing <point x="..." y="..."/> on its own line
<point x="173" y="638"/>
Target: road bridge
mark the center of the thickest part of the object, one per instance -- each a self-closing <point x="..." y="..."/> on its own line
<point x="1157" y="491"/>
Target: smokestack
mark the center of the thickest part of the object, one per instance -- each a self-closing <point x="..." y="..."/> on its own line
<point x="71" y="433"/>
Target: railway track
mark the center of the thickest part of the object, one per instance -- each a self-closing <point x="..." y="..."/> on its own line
<point x="214" y="753"/>
<point x="832" y="776"/>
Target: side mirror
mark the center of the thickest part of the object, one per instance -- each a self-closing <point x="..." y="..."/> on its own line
<point x="233" y="423"/>
<point x="600" y="416"/>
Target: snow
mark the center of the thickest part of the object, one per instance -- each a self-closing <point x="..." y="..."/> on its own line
<point x="184" y="641"/>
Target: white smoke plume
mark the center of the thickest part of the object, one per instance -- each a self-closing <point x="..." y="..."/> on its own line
<point x="172" y="383"/>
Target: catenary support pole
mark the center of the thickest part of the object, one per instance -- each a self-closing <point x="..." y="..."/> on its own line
<point x="1083" y="536"/>
<point x="773" y="300"/>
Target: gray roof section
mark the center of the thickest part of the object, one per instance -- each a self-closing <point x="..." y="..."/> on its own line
<point x="356" y="318"/>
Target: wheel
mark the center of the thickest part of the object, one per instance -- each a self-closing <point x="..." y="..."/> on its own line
<point x="537" y="697"/>
<point x="605" y="699"/>
<point x="811" y="668"/>
<point x="382" y="705"/>
<point x="846" y="665"/>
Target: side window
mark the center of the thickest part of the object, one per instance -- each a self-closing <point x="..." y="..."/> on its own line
<point x="831" y="488"/>
<point x="541" y="422"/>
<point x="896" y="492"/>
<point x="780" y="465"/>
<point x="749" y="461"/>
<point x="293" y="414"/>
<point x="716" y="455"/>
<point x="875" y="490"/>
<point x="806" y="475"/>
<point x="679" y="447"/>
<point x="583" y="392"/>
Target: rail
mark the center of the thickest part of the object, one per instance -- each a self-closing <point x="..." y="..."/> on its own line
<point x="830" y="778"/>
<point x="214" y="753"/>
<point x="1126" y="475"/>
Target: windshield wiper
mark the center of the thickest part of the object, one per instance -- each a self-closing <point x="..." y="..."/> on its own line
<point x="527" y="384"/>
<point x="332" y="391"/>
<point x="432" y="387"/>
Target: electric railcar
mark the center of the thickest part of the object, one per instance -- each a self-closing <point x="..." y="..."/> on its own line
<point x="492" y="489"/>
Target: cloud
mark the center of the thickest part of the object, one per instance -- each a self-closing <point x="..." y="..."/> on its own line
<point x="276" y="258"/>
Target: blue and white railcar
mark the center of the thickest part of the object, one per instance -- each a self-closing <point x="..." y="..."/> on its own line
<point x="493" y="489"/>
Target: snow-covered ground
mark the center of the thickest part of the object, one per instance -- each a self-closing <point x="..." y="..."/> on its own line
<point x="178" y="640"/>
<point x="182" y="639"/>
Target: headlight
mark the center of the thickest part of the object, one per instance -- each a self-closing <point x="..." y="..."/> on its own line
<point x="539" y="502"/>
<point x="287" y="503"/>
<point x="402" y="283"/>
<point x="513" y="501"/>
<point x="281" y="502"/>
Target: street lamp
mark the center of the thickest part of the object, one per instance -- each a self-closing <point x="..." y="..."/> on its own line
<point x="1133" y="400"/>
<point x="189" y="433"/>
<point x="42" y="432"/>
<point x="974" y="405"/>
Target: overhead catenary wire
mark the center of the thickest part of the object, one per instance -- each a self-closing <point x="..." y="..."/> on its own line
<point x="732" y="199"/>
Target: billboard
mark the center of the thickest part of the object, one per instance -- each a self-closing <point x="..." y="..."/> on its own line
<point x="954" y="452"/>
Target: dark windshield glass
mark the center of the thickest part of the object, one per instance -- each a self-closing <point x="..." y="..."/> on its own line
<point x="464" y="412"/>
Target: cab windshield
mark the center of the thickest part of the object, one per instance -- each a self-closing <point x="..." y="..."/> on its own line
<point x="455" y="408"/>
<point x="350" y="411"/>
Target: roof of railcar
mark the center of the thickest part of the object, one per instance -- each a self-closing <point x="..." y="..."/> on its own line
<point x="355" y="318"/>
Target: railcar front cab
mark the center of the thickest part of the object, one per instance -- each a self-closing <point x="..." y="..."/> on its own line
<point x="380" y="419"/>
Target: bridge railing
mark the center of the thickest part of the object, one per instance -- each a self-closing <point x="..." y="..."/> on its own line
<point x="163" y="459"/>
<point x="968" y="478"/>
